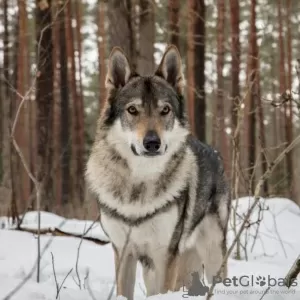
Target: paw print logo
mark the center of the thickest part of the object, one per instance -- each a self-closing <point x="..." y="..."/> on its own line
<point x="261" y="280"/>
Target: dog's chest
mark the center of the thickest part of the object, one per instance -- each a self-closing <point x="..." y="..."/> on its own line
<point x="151" y="234"/>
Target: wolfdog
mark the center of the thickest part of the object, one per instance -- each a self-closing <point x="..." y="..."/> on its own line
<point x="163" y="195"/>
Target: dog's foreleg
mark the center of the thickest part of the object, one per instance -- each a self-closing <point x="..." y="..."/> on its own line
<point x="125" y="267"/>
<point x="171" y="273"/>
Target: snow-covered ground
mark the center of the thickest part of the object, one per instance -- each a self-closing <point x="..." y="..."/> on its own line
<point x="272" y="246"/>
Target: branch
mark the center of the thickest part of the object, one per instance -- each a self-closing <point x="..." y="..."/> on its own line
<point x="260" y="183"/>
<point x="293" y="273"/>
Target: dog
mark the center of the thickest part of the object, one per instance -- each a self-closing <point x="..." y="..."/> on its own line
<point x="163" y="196"/>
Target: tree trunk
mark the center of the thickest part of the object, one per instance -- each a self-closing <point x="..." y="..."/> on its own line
<point x="235" y="91"/>
<point x="190" y="63"/>
<point x="44" y="100"/>
<point x="221" y="141"/>
<point x="120" y="27"/>
<point x="289" y="105"/>
<point x="199" y="68"/>
<point x="101" y="52"/>
<point x="147" y="37"/>
<point x="22" y="134"/>
<point x="253" y="94"/>
<point x="64" y="121"/>
<point x="6" y="186"/>
<point x="173" y="9"/>
<point x="80" y="108"/>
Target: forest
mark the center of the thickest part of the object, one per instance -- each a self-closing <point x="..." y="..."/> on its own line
<point x="241" y="94"/>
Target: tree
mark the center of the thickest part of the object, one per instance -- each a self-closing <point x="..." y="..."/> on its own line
<point x="6" y="186"/>
<point x="173" y="9"/>
<point x="191" y="63"/>
<point x="220" y="134"/>
<point x="199" y="68"/>
<point x="22" y="128"/>
<point x="65" y="117"/>
<point x="101" y="51"/>
<point x="146" y="37"/>
<point x="252" y="76"/>
<point x="120" y="28"/>
<point x="44" y="99"/>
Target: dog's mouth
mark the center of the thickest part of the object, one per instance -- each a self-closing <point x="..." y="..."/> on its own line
<point x="148" y="153"/>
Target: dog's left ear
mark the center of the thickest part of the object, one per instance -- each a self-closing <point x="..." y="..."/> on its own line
<point x="170" y="68"/>
<point x="118" y="72"/>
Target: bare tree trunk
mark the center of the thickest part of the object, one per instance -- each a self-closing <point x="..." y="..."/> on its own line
<point x="282" y="89"/>
<point x="235" y="89"/>
<point x="190" y="63"/>
<point x="199" y="68"/>
<point x="44" y="99"/>
<point x="57" y="169"/>
<point x="101" y="51"/>
<point x="22" y="133"/>
<point x="6" y="186"/>
<point x="120" y="27"/>
<point x="253" y="93"/>
<point x="80" y="108"/>
<point x="173" y="9"/>
<point x="147" y="37"/>
<point x="289" y="105"/>
<point x="65" y="118"/>
<point x="221" y="141"/>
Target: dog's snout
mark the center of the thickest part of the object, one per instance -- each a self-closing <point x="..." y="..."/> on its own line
<point x="151" y="141"/>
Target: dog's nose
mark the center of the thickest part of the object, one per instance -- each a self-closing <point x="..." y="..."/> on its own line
<point x="151" y="142"/>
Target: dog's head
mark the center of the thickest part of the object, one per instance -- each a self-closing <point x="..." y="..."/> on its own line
<point x="145" y="114"/>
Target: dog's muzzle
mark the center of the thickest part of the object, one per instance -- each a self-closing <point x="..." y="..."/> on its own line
<point x="151" y="145"/>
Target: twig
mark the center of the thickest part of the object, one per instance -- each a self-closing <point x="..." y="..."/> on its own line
<point x="58" y="288"/>
<point x="260" y="183"/>
<point x="293" y="273"/>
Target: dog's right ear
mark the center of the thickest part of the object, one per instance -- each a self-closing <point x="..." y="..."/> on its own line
<point x="118" y="72"/>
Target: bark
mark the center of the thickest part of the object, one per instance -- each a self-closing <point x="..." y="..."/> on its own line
<point x="76" y="157"/>
<point x="57" y="169"/>
<point x="221" y="141"/>
<point x="289" y="105"/>
<point x="80" y="108"/>
<point x="235" y="58"/>
<point x="44" y="100"/>
<point x="253" y="94"/>
<point x="101" y="51"/>
<point x="190" y="63"/>
<point x="199" y="68"/>
<point x="173" y="9"/>
<point x="147" y="37"/>
<point x="65" y="118"/>
<point x="6" y="186"/>
<point x="22" y="133"/>
<point x="120" y="27"/>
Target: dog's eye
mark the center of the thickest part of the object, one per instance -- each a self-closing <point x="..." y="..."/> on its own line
<point x="132" y="110"/>
<point x="165" y="110"/>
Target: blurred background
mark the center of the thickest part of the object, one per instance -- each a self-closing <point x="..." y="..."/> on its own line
<point x="242" y="88"/>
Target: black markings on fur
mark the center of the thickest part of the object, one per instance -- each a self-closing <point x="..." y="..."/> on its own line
<point x="117" y="158"/>
<point x="135" y="221"/>
<point x="182" y="207"/>
<point x="146" y="261"/>
<point x="168" y="175"/>
<point x="137" y="192"/>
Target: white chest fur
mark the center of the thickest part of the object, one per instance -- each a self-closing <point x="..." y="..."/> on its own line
<point x="151" y="235"/>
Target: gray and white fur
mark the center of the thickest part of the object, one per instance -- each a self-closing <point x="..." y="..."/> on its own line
<point x="163" y="195"/>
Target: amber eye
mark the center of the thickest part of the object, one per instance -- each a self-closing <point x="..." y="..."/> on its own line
<point x="165" y="110"/>
<point x="132" y="110"/>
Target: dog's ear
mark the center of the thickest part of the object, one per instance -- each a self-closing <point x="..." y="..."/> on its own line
<point x="170" y="68"/>
<point x="118" y="71"/>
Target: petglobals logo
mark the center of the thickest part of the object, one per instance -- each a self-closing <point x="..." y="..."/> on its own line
<point x="251" y="281"/>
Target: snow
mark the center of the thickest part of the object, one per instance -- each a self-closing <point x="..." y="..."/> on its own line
<point x="277" y="246"/>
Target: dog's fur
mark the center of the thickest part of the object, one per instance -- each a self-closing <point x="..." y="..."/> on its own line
<point x="168" y="211"/>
